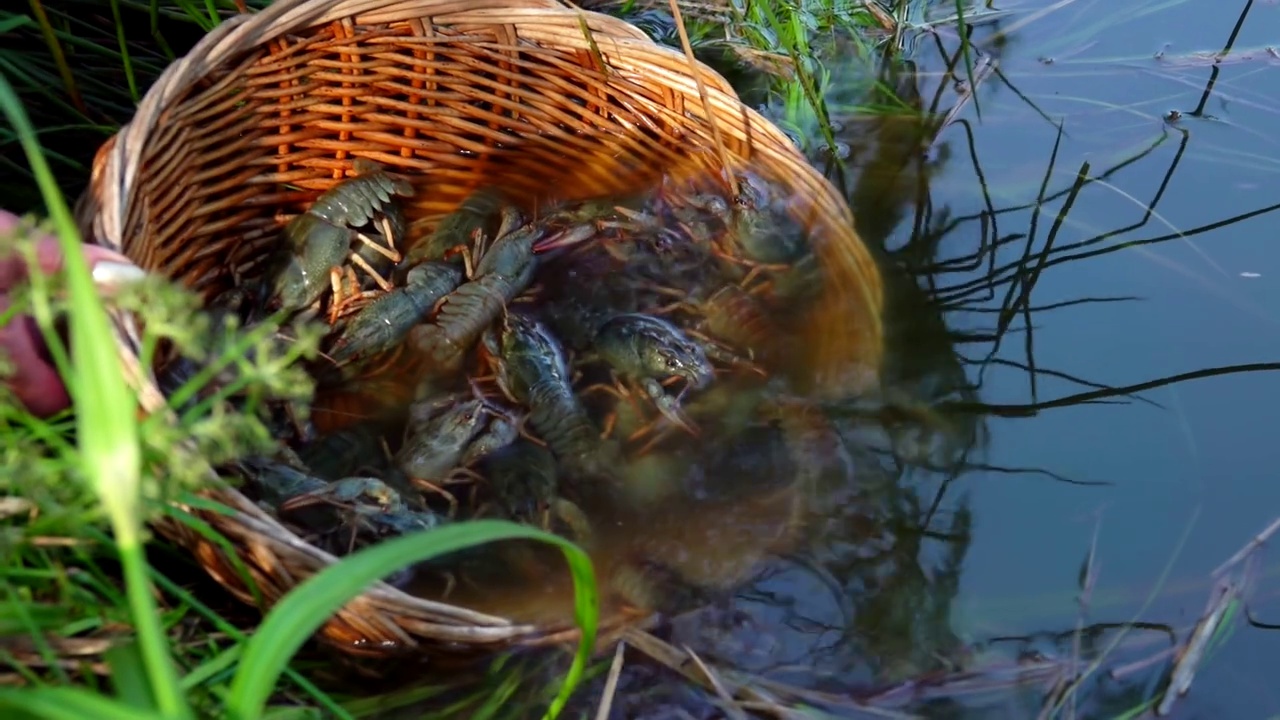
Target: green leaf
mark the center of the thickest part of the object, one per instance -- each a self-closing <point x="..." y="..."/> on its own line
<point x="306" y="608"/>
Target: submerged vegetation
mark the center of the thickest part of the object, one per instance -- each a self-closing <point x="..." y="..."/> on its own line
<point x="102" y="619"/>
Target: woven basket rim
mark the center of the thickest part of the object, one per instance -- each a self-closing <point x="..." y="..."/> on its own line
<point x="115" y="174"/>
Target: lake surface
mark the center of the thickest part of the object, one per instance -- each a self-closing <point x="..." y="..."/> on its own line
<point x="1164" y="263"/>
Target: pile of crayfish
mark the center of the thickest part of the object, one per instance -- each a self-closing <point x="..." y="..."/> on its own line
<point x="603" y="354"/>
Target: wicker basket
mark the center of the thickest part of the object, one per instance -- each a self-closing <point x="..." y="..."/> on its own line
<point x="453" y="94"/>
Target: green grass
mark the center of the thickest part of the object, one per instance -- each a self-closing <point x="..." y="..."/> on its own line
<point x="79" y="67"/>
<point x="783" y="57"/>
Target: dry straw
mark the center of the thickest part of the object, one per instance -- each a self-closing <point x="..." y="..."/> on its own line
<point x="269" y="109"/>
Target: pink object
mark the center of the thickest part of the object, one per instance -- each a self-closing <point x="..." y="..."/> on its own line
<point x="36" y="381"/>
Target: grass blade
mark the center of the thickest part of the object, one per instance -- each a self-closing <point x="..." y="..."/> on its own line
<point x="125" y="60"/>
<point x="69" y="703"/>
<point x="106" y="422"/>
<point x="305" y="609"/>
<point x="965" y="47"/>
<point x="59" y="58"/>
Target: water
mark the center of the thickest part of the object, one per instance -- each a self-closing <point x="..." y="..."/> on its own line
<point x="1191" y="479"/>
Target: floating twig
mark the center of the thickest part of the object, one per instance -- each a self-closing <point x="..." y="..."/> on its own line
<point x="729" y="704"/>
<point x="1189" y="659"/>
<point x="611" y="683"/>
<point x="1249" y="548"/>
<point x="696" y="71"/>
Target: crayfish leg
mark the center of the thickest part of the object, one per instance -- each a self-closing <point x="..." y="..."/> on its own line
<point x="655" y="438"/>
<point x="610" y="421"/>
<point x="376" y="276"/>
<point x="387" y="251"/>
<point x="655" y="431"/>
<point x="522" y="430"/>
<point x="564" y="238"/>
<point x="335" y="285"/>
<point x="436" y="489"/>
<point x="717" y="350"/>
<point x="752" y="274"/>
<point x="614" y="389"/>
<point x="347" y="296"/>
<point x="390" y="252"/>
<point x="468" y="262"/>
<point x="735" y="360"/>
<point x="622" y="393"/>
<point x="462" y="476"/>
<point x="670" y="409"/>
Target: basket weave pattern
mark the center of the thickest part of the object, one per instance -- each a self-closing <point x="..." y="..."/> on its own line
<point x="269" y="109"/>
